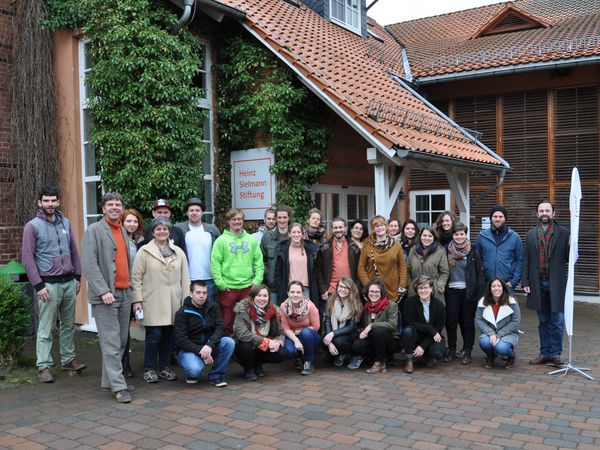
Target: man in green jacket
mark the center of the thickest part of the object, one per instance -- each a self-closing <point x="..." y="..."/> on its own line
<point x="236" y="264"/>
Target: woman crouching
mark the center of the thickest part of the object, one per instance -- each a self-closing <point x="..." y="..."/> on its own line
<point x="498" y="317"/>
<point x="424" y="319"/>
<point x="258" y="334"/>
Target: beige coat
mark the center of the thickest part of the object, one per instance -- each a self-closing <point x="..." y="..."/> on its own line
<point x="161" y="285"/>
<point x="435" y="267"/>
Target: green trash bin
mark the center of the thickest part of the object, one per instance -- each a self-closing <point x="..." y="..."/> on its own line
<point x="16" y="272"/>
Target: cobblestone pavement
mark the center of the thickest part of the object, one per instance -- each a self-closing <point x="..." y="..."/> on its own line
<point x="451" y="406"/>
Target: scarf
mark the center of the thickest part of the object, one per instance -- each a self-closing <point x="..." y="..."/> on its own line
<point x="379" y="305"/>
<point x="383" y="245"/>
<point x="339" y="315"/>
<point x="425" y="252"/>
<point x="544" y="238"/>
<point x="317" y="235"/>
<point x="445" y="236"/>
<point x="456" y="252"/>
<point x="300" y="313"/>
<point x="261" y="318"/>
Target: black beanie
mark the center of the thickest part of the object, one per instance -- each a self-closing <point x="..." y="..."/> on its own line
<point x="500" y="208"/>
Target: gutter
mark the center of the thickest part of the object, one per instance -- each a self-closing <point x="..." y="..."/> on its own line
<point x="426" y="157"/>
<point x="185" y="17"/>
<point x="453" y="123"/>
<point x="519" y="68"/>
<point x="228" y="10"/>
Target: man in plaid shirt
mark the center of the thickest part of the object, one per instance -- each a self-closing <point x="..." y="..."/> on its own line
<point x="544" y="280"/>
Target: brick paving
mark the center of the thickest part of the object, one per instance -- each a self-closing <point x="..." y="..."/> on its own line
<point x="451" y="406"/>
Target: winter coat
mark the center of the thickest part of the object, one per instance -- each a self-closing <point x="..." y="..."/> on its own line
<point x="161" y="285"/>
<point x="325" y="263"/>
<point x="282" y="269"/>
<point x="474" y="276"/>
<point x="268" y="247"/>
<point x="435" y="267"/>
<point x="387" y="318"/>
<point x="244" y="329"/>
<point x="506" y="325"/>
<point x="503" y="261"/>
<point x="559" y="259"/>
<point x="176" y="235"/>
<point x="413" y="317"/>
<point x="196" y="327"/>
<point x="391" y="267"/>
<point x="236" y="261"/>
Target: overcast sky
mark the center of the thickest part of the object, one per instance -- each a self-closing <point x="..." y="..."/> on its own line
<point x="394" y="11"/>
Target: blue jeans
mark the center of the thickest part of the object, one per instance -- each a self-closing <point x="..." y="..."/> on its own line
<point x="193" y="364"/>
<point x="551" y="325"/>
<point x="159" y="340"/>
<point x="502" y="348"/>
<point x="309" y="339"/>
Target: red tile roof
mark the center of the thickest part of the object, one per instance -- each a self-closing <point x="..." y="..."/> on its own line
<point x="445" y="44"/>
<point x="356" y="75"/>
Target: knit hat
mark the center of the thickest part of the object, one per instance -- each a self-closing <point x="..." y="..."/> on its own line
<point x="499" y="208"/>
<point x="160" y="221"/>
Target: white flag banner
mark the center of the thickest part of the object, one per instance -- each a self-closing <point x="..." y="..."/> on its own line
<point x="574" y="204"/>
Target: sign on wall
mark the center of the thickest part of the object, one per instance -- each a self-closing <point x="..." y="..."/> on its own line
<point x="252" y="185"/>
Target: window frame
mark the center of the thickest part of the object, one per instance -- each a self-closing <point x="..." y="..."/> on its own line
<point x="428" y="192"/>
<point x="343" y="23"/>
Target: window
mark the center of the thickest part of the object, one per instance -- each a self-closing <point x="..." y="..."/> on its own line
<point x="426" y="206"/>
<point x="346" y="12"/>
<point x="347" y="202"/>
<point x="92" y="191"/>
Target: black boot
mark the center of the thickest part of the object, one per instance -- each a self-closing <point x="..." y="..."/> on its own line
<point x="450" y="355"/>
<point x="466" y="357"/>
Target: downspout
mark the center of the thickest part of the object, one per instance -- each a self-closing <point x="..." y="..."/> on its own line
<point x="185" y="17"/>
<point x="491" y="189"/>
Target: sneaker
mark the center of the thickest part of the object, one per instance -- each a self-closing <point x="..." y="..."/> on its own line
<point x="45" y="375"/>
<point x="307" y="369"/>
<point x="190" y="380"/>
<point x="249" y="375"/>
<point x="130" y="388"/>
<point x="74" y="366"/>
<point x="298" y="364"/>
<point x="355" y="362"/>
<point x="122" y="396"/>
<point x="150" y="376"/>
<point x="339" y="360"/>
<point x="167" y="374"/>
<point x="218" y="382"/>
<point x="377" y="367"/>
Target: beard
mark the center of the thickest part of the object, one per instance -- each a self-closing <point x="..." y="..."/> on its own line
<point x="545" y="220"/>
<point x="48" y="211"/>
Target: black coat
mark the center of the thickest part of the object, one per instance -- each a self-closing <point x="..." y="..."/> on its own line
<point x="196" y="327"/>
<point x="559" y="259"/>
<point x="282" y="269"/>
<point x="324" y="264"/>
<point x="413" y="317"/>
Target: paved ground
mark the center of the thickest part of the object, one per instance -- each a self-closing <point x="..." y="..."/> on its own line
<point x="448" y="407"/>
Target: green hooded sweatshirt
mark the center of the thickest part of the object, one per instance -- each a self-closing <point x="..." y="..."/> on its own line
<point x="236" y="262"/>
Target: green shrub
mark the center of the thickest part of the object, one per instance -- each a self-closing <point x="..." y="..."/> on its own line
<point x="15" y="313"/>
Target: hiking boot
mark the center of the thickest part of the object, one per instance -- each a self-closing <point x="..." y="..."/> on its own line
<point x="377" y="367"/>
<point x="466" y="358"/>
<point x="150" y="376"/>
<point x="307" y="369"/>
<point x="74" y="366"/>
<point x="45" y="375"/>
<point x="489" y="362"/>
<point x="122" y="396"/>
<point x="167" y="374"/>
<point x="510" y="362"/>
<point x="355" y="362"/>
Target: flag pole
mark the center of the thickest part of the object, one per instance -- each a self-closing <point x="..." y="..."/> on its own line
<point x="574" y="207"/>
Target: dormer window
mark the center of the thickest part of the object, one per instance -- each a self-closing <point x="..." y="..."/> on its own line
<point x="509" y="19"/>
<point x="346" y="13"/>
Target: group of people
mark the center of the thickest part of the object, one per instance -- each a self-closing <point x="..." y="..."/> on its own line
<point x="290" y="290"/>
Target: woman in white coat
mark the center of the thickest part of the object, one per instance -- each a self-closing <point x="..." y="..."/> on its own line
<point x="160" y="282"/>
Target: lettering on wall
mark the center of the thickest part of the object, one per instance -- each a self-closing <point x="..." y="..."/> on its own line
<point x="253" y="186"/>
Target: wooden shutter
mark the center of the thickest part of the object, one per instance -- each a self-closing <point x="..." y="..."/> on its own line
<point x="480" y="209"/>
<point x="576" y="133"/>
<point x="525" y="129"/>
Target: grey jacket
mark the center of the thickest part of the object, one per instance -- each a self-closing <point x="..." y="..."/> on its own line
<point x="98" y="252"/>
<point x="209" y="227"/>
<point x="505" y="326"/>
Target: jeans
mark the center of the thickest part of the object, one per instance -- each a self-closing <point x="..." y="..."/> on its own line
<point x="502" y="348"/>
<point x="62" y="299"/>
<point x="194" y="365"/>
<point x="309" y="339"/>
<point x="460" y="312"/>
<point x="551" y="325"/>
<point x="159" y="340"/>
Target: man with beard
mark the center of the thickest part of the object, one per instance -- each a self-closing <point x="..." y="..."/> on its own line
<point x="501" y="249"/>
<point x="336" y="259"/>
<point x="51" y="260"/>
<point x="544" y="280"/>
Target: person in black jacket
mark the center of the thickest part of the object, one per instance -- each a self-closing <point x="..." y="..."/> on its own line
<point x="424" y="320"/>
<point x="464" y="289"/>
<point x="200" y="337"/>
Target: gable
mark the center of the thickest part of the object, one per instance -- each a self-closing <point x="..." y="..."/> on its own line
<point x="509" y="19"/>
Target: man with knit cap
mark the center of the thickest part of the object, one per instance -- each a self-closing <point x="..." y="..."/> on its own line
<point x="501" y="249"/>
<point x="544" y="280"/>
<point x="107" y="265"/>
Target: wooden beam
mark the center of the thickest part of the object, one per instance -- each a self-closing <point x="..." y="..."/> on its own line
<point x="551" y="113"/>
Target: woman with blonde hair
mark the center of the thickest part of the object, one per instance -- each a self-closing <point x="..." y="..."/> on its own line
<point x="340" y="322"/>
<point x="382" y="257"/>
